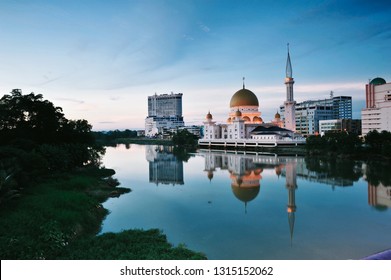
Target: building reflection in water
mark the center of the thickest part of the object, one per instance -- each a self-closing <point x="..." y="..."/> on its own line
<point x="164" y="167"/>
<point x="379" y="195"/>
<point x="379" y="189"/>
<point x="245" y="172"/>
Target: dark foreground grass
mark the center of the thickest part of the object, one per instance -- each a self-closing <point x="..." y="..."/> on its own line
<point x="59" y="219"/>
<point x="128" y="245"/>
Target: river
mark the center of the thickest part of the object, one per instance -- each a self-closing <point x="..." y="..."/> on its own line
<point x="252" y="206"/>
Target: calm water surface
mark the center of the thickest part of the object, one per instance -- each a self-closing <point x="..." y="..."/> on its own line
<point x="236" y="206"/>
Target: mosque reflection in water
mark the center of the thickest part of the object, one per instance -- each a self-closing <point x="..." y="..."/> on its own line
<point x="245" y="171"/>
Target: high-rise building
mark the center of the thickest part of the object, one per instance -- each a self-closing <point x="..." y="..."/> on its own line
<point x="165" y="105"/>
<point x="377" y="113"/>
<point x="164" y="113"/>
<point x="342" y="106"/>
<point x="309" y="113"/>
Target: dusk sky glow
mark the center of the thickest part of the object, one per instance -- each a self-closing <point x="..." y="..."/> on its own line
<point x="100" y="60"/>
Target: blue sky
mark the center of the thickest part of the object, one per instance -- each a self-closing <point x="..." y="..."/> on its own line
<point x="100" y="60"/>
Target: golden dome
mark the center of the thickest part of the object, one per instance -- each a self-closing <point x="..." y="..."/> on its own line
<point x="244" y="97"/>
<point x="209" y="116"/>
<point x="277" y="116"/>
<point x="238" y="113"/>
<point x="245" y="194"/>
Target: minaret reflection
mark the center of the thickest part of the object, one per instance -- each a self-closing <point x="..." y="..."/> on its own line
<point x="164" y="167"/>
<point x="290" y="176"/>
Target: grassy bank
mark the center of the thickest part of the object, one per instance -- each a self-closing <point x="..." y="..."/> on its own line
<point x="149" y="141"/>
<point x="60" y="217"/>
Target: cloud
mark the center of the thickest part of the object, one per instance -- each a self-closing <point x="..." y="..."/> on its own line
<point x="188" y="37"/>
<point x="71" y="100"/>
<point x="204" y="28"/>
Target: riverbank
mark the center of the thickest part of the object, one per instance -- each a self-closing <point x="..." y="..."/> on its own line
<point x="59" y="218"/>
<point x="137" y="140"/>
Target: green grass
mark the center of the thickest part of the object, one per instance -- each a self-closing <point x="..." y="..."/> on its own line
<point x="129" y="245"/>
<point x="60" y="217"/>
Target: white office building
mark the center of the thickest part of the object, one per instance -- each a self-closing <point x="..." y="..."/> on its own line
<point x="377" y="113"/>
<point x="164" y="113"/>
<point x="348" y="125"/>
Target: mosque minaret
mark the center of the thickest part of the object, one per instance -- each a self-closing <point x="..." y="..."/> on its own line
<point x="290" y="119"/>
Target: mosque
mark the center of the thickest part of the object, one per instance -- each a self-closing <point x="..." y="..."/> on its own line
<point x="245" y="127"/>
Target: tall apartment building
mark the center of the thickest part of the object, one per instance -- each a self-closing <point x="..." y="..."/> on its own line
<point x="309" y="113"/>
<point x="164" y="113"/>
<point x="377" y="113"/>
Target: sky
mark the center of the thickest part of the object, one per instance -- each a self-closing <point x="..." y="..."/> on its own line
<point x="100" y="60"/>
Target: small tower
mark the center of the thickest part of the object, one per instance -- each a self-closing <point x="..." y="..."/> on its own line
<point x="211" y="130"/>
<point x="290" y="118"/>
<point x="238" y="125"/>
<point x="277" y="120"/>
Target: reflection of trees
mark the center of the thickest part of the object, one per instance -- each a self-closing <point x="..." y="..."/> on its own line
<point x="378" y="172"/>
<point x="380" y="208"/>
<point x="182" y="154"/>
<point x="335" y="168"/>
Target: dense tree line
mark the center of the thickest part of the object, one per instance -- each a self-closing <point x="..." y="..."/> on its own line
<point x="374" y="144"/>
<point x="184" y="138"/>
<point x="36" y="139"/>
<point x="112" y="136"/>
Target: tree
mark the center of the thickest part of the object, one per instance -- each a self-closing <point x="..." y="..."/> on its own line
<point x="184" y="138"/>
<point x="29" y="117"/>
<point x="33" y="124"/>
<point x="340" y="142"/>
<point x="379" y="143"/>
